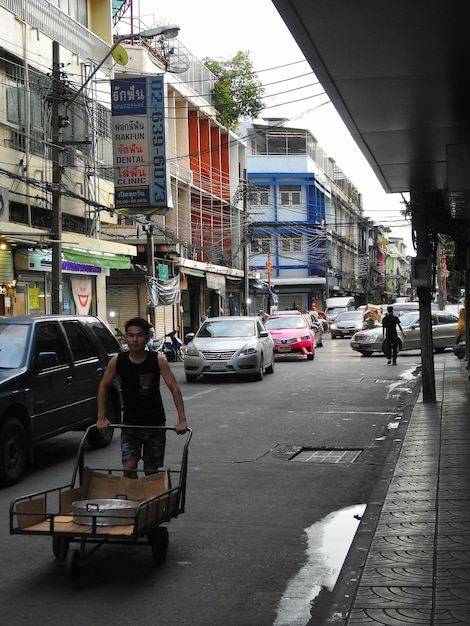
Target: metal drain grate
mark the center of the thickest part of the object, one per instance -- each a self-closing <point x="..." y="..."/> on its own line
<point x="311" y="455"/>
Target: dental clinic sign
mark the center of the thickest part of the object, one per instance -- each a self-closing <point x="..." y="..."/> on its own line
<point x="139" y="144"/>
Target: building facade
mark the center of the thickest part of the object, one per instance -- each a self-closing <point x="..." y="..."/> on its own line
<point x="64" y="241"/>
<point x="55" y="184"/>
<point x="305" y="216"/>
<point x="197" y="236"/>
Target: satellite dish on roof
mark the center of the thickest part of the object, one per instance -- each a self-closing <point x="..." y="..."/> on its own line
<point x="120" y="55"/>
<point x="171" y="55"/>
<point x="177" y="62"/>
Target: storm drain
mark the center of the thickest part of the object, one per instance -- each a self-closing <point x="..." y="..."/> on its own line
<point x="325" y="455"/>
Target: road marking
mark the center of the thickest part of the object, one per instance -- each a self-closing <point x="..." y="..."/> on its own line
<point x="360" y="412"/>
<point x="201" y="393"/>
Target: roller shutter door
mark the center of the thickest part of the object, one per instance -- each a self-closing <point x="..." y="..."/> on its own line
<point x="286" y="301"/>
<point x="123" y="300"/>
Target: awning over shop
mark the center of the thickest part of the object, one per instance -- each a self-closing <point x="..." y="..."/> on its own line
<point x="97" y="258"/>
<point x="193" y="272"/>
<point x="307" y="280"/>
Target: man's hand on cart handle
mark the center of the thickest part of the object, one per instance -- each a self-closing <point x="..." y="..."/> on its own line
<point x="181" y="427"/>
<point x="102" y="423"/>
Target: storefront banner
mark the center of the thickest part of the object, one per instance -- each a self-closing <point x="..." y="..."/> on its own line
<point x="41" y="260"/>
<point x="114" y="261"/>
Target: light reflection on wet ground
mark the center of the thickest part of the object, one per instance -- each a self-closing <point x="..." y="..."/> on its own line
<point x="328" y="542"/>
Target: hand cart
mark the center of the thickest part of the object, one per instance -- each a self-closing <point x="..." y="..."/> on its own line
<point x="101" y="506"/>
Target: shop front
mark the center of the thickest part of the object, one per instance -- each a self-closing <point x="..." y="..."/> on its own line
<point x="300" y="292"/>
<point x="208" y="290"/>
<point x="84" y="276"/>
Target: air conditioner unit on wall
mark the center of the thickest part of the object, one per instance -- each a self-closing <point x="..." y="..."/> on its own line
<point x="4" y="204"/>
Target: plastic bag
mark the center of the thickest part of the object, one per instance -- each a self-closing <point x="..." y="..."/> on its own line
<point x="459" y="350"/>
<point x="461" y="323"/>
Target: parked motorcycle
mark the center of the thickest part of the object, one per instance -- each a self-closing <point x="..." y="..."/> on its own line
<point x="122" y="339"/>
<point x="173" y="347"/>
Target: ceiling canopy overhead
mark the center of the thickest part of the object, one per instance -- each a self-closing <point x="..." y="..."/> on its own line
<point x="398" y="73"/>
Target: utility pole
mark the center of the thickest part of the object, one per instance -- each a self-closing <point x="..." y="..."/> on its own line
<point x="246" y="290"/>
<point x="56" y="234"/>
<point x="327" y="277"/>
<point x="368" y="277"/>
<point x="151" y="266"/>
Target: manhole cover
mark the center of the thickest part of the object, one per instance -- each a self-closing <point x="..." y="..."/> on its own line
<point x="325" y="455"/>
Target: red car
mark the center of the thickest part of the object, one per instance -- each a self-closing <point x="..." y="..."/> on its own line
<point x="292" y="335"/>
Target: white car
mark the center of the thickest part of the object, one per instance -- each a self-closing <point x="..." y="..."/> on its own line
<point x="238" y="345"/>
<point x="444" y="334"/>
<point x="346" y="324"/>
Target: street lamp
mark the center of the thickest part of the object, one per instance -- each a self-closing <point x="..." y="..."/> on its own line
<point x="169" y="31"/>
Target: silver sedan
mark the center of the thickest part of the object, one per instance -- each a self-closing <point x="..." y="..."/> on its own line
<point x="444" y="334"/>
<point x="230" y="345"/>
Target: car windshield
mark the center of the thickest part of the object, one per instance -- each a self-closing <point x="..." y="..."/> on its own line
<point x="402" y="309"/>
<point x="227" y="328"/>
<point x="277" y="323"/>
<point x="350" y="315"/>
<point x="409" y="318"/>
<point x="13" y="342"/>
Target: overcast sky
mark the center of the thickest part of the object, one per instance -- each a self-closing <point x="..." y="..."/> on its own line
<point x="292" y="90"/>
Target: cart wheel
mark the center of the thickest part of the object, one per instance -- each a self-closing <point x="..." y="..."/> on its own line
<point x="159" y="541"/>
<point x="72" y="564"/>
<point x="60" y="547"/>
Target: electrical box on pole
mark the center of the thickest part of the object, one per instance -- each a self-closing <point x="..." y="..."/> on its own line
<point x="421" y="272"/>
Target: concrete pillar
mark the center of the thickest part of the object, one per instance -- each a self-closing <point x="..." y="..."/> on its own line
<point x="421" y="205"/>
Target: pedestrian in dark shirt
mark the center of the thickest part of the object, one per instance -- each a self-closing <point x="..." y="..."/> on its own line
<point x="390" y="325"/>
<point x="140" y="371"/>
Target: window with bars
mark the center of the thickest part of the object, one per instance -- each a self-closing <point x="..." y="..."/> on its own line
<point x="86" y="120"/>
<point x="260" y="245"/>
<point x="259" y="197"/>
<point x="76" y="9"/>
<point x="291" y="244"/>
<point x="290" y="195"/>
<point x="30" y="134"/>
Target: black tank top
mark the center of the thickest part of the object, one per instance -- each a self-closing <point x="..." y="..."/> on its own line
<point x="140" y="385"/>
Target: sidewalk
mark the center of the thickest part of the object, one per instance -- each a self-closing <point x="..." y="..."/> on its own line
<point x="410" y="560"/>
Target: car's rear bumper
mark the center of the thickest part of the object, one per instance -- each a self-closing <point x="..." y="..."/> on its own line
<point x="362" y="346"/>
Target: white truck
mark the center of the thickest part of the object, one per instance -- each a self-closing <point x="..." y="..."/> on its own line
<point x="338" y="304"/>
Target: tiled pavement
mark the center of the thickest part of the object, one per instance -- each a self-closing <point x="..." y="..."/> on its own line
<point x="410" y="560"/>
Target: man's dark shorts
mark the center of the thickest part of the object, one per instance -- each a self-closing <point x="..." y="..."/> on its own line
<point x="148" y="445"/>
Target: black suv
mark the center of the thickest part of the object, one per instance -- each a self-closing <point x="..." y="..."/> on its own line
<point x="50" y="369"/>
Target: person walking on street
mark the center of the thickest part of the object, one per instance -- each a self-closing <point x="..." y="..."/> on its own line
<point x="140" y="371"/>
<point x="390" y="324"/>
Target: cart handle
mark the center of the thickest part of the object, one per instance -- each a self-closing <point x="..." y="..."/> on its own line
<point x="80" y="453"/>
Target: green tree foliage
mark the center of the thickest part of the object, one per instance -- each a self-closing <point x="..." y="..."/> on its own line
<point x="237" y="92"/>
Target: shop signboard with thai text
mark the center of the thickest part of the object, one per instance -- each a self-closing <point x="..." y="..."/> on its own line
<point x="139" y="144"/>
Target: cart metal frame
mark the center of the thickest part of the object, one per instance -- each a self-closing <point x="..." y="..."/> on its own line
<point x="49" y="513"/>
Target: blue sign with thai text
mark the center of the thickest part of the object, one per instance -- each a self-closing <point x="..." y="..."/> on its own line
<point x="139" y="144"/>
